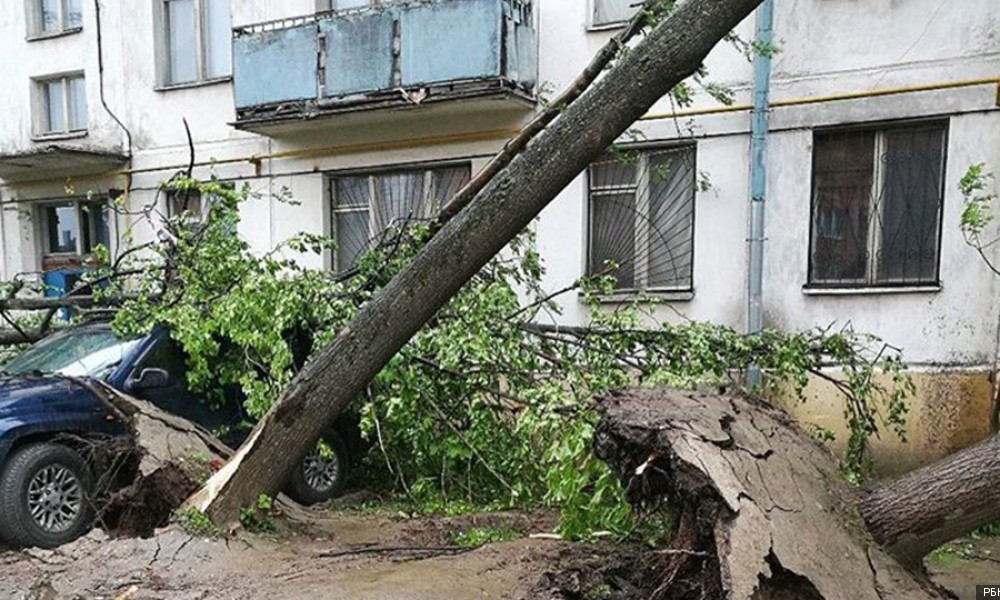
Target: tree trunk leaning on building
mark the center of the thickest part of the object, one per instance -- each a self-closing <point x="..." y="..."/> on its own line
<point x="672" y="50"/>
<point x="740" y="471"/>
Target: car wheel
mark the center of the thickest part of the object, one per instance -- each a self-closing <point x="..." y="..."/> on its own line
<point x="320" y="478"/>
<point x="45" y="493"/>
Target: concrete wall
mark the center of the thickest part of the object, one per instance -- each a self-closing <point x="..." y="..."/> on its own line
<point x="24" y="60"/>
<point x="951" y="409"/>
<point x="828" y="46"/>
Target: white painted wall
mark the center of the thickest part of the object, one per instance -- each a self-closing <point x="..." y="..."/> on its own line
<point x="829" y="46"/>
<point x="24" y="60"/>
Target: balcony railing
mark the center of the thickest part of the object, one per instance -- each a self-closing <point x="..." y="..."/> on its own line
<point x="360" y="58"/>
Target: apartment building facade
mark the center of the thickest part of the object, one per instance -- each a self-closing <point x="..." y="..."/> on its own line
<point x="365" y="111"/>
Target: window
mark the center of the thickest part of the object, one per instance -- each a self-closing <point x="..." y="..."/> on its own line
<point x="196" y="40"/>
<point x="194" y="206"/>
<point x="50" y="17"/>
<point x="876" y="206"/>
<point x="62" y="103"/>
<point x="188" y="203"/>
<point x="75" y="227"/>
<point x="366" y="205"/>
<point x="612" y="12"/>
<point x="641" y="229"/>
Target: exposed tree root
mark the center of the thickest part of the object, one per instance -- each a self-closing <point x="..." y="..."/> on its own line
<point x="763" y="513"/>
<point x="165" y="459"/>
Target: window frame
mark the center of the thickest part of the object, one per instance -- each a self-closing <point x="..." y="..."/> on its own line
<point x="593" y="25"/>
<point x="164" y="64"/>
<point x="36" y="27"/>
<point x="78" y="203"/>
<point x="427" y="171"/>
<point x="42" y="117"/>
<point x="871" y="282"/>
<point x="642" y="203"/>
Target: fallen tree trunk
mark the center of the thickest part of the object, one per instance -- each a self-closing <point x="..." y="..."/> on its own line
<point x="926" y="508"/>
<point x="671" y="52"/>
<point x="762" y="511"/>
<point x="13" y="337"/>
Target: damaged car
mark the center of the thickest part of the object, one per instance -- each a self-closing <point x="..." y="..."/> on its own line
<point x="50" y="396"/>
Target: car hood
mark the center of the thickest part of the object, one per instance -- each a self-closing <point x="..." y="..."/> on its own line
<point x="27" y="392"/>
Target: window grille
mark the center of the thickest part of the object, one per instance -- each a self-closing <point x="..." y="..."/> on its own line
<point x="641" y="229"/>
<point x="876" y="206"/>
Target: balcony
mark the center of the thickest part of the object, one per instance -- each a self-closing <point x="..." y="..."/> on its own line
<point x="390" y="56"/>
<point x="57" y="161"/>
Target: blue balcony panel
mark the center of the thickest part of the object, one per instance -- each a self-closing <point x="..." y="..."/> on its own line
<point x="360" y="46"/>
<point x="450" y="40"/>
<point x="390" y="55"/>
<point x="275" y="66"/>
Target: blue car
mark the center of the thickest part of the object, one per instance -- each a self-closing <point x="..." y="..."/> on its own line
<point x="49" y="406"/>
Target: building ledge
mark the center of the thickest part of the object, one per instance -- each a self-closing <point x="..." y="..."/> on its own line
<point x="263" y="118"/>
<point x="54" y="161"/>
<point x="49" y="35"/>
<point x="624" y="297"/>
<point x="870" y="291"/>
<point x="187" y="85"/>
<point x="42" y="138"/>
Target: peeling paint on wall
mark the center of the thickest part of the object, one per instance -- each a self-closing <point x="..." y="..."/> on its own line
<point x="951" y="409"/>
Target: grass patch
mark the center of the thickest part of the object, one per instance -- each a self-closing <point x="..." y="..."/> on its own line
<point x="475" y="537"/>
<point x="195" y="523"/>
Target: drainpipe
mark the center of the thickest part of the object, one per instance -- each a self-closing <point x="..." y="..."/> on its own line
<point x="758" y="173"/>
<point x="3" y="242"/>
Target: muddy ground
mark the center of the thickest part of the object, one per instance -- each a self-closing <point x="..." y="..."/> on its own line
<point x="325" y="555"/>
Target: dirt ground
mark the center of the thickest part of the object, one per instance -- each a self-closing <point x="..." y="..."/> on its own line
<point x="323" y="555"/>
<point x="962" y="565"/>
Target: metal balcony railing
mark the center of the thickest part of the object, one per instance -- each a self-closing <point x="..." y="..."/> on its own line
<point x="362" y="52"/>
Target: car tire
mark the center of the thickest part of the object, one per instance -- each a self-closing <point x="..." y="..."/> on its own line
<point x="45" y="496"/>
<point x="317" y="479"/>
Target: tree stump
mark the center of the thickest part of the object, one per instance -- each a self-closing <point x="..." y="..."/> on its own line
<point x="762" y="512"/>
<point x="151" y="472"/>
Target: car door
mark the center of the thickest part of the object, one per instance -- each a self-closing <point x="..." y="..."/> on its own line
<point x="176" y="397"/>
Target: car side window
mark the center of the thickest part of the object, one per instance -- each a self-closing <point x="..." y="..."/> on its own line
<point x="166" y="354"/>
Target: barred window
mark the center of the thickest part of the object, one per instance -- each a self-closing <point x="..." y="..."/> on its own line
<point x="876" y="207"/>
<point x="642" y="219"/>
<point x="366" y="205"/>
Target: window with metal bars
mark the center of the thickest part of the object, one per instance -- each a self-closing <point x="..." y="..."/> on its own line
<point x="366" y="205"/>
<point x="641" y="226"/>
<point x="877" y="201"/>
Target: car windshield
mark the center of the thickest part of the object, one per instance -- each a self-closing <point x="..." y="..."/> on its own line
<point x="83" y="352"/>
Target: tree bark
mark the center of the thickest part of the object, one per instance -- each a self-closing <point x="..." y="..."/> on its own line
<point x="762" y="510"/>
<point x="920" y="511"/>
<point x="671" y="52"/>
